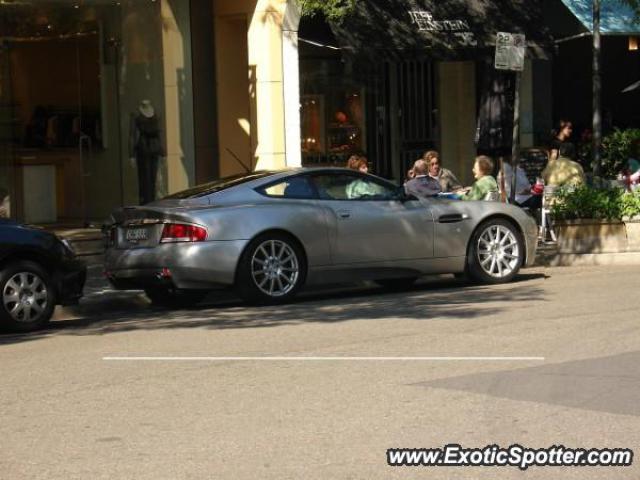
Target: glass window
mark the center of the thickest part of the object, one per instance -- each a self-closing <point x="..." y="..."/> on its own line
<point x="218" y="185"/>
<point x="293" y="187"/>
<point x="96" y="106"/>
<point x="353" y="187"/>
<point x="332" y="112"/>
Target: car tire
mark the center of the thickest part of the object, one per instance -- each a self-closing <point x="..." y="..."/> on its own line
<point x="396" y="284"/>
<point x="272" y="269"/>
<point x="496" y="252"/>
<point x="27" y="297"/>
<point x="173" y="298"/>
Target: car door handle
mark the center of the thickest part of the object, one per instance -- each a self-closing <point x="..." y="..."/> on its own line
<point x="344" y="213"/>
<point x="452" y="217"/>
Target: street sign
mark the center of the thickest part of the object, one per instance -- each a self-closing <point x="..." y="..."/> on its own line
<point x="510" y="48"/>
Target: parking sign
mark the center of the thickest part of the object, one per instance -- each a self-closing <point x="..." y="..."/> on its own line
<point x="510" y="49"/>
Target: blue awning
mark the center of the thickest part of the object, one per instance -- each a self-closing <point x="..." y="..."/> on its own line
<point x="616" y="18"/>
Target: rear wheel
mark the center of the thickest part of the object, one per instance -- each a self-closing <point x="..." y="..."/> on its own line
<point x="396" y="284"/>
<point x="28" y="296"/>
<point x="496" y="252"/>
<point x="272" y="269"/>
<point x="174" y="298"/>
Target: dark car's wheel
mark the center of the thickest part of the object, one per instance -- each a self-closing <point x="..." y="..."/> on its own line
<point x="28" y="296"/>
<point x="272" y="269"/>
<point x="396" y="284"/>
<point x="174" y="298"/>
<point x="496" y="252"/>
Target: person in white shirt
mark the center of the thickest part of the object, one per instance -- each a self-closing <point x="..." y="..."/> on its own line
<point x="523" y="196"/>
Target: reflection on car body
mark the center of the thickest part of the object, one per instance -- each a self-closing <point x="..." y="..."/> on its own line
<point x="269" y="233"/>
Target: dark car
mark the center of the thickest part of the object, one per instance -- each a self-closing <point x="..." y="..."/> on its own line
<point x="37" y="272"/>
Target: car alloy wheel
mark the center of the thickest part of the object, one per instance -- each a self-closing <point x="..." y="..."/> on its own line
<point x="25" y="297"/>
<point x="498" y="251"/>
<point x="275" y="268"/>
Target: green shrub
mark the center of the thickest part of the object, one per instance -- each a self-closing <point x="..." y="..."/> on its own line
<point x="617" y="148"/>
<point x="631" y="204"/>
<point x="589" y="202"/>
<point x="335" y="10"/>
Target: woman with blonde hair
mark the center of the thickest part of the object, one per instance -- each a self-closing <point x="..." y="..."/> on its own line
<point x="448" y="181"/>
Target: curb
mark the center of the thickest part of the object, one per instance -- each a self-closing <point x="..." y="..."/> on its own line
<point x="556" y="259"/>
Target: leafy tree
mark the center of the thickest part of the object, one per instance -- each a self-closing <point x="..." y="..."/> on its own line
<point x="634" y="4"/>
<point x="332" y="9"/>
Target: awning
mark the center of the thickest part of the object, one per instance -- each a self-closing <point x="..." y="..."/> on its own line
<point x="452" y="29"/>
<point x="616" y="17"/>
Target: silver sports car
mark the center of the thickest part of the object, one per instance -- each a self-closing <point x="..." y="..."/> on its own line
<point x="270" y="232"/>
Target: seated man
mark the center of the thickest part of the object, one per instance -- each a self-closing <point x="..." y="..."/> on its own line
<point x="422" y="185"/>
<point x="563" y="171"/>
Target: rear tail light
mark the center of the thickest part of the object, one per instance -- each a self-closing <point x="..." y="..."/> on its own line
<point x="179" y="232"/>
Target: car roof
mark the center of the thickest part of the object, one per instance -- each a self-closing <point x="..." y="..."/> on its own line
<point x="302" y="170"/>
<point x="263" y="177"/>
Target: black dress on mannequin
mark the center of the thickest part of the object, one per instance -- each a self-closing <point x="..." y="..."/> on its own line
<point x="146" y="148"/>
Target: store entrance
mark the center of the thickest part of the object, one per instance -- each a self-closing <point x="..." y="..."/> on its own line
<point x="50" y="109"/>
<point x="84" y="86"/>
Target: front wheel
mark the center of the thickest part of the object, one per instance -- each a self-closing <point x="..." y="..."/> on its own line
<point x="173" y="298"/>
<point x="28" y="297"/>
<point x="272" y="269"/>
<point x="496" y="252"/>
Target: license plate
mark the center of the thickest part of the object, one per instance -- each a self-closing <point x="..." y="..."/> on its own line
<point x="136" y="234"/>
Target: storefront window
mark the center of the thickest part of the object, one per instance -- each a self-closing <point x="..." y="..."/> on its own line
<point x="7" y="135"/>
<point x="96" y="106"/>
<point x="332" y="114"/>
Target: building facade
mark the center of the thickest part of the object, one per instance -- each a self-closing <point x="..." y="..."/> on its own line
<point x="111" y="103"/>
<point x="399" y="78"/>
<point x="104" y="104"/>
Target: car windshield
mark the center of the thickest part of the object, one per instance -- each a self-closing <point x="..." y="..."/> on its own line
<point x="218" y="185"/>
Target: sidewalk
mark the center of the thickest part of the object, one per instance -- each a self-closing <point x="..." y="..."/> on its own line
<point x="548" y="256"/>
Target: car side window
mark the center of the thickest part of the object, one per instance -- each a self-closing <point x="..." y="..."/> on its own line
<point x="344" y="186"/>
<point x="293" y="187"/>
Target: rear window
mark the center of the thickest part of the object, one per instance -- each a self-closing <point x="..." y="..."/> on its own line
<point x="218" y="185"/>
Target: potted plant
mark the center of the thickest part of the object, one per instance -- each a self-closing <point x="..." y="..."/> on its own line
<point x="590" y="220"/>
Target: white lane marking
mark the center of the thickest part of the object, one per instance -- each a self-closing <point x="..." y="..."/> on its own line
<point x="320" y="359"/>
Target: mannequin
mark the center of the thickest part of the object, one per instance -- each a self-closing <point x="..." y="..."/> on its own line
<point x="145" y="149"/>
<point x="5" y="203"/>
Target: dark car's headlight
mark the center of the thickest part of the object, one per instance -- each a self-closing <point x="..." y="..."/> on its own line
<point x="67" y="249"/>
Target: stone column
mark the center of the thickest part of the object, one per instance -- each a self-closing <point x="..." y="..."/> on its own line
<point x="257" y="84"/>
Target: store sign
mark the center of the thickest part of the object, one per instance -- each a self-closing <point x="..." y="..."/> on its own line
<point x="458" y="28"/>
<point x="510" y="50"/>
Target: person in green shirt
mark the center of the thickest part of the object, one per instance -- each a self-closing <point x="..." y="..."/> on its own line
<point x="485" y="183"/>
